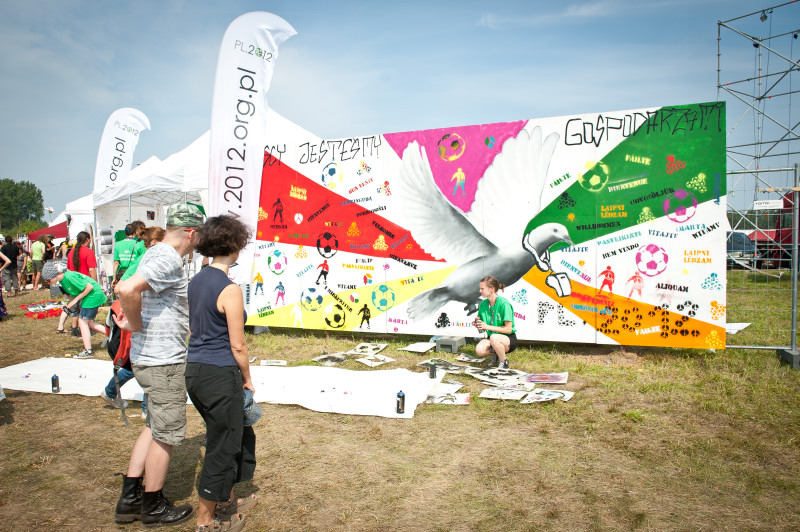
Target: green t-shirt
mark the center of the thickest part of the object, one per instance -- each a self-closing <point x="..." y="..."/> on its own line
<point x="497" y="315"/>
<point x="123" y="252"/>
<point x="138" y="252"/>
<point x="37" y="250"/>
<point x="74" y="283"/>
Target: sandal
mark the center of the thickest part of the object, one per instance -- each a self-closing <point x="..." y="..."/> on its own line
<point x="236" y="507"/>
<point x="235" y="524"/>
<point x="59" y="331"/>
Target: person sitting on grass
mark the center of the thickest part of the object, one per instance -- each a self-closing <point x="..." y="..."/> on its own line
<point x="87" y="295"/>
<point x="496" y="317"/>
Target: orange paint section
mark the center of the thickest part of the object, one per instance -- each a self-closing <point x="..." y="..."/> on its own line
<point x="631" y="322"/>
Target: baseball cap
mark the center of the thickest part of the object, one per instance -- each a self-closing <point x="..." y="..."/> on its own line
<point x="184" y="215"/>
<point x="252" y="412"/>
<point x="52" y="268"/>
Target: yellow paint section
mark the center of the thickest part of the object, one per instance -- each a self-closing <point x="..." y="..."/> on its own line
<point x="622" y="313"/>
<point x="403" y="290"/>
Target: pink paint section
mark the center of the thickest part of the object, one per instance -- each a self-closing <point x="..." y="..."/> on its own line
<point x="473" y="156"/>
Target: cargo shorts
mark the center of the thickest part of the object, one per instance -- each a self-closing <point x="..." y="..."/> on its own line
<point x="165" y="390"/>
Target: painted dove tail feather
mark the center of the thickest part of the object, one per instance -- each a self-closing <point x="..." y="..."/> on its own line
<point x="428" y="303"/>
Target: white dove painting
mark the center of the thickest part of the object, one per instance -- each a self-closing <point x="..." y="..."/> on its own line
<point x="409" y="222"/>
<point x="488" y="239"/>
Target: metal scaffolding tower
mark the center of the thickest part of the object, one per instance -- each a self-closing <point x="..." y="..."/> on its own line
<point x="758" y="80"/>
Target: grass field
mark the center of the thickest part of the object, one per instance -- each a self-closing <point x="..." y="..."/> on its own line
<point x="654" y="439"/>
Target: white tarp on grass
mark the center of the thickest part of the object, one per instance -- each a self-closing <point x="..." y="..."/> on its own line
<point x="365" y="393"/>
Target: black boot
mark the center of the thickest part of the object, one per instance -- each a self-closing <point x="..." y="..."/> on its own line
<point x="158" y="511"/>
<point x="129" y="505"/>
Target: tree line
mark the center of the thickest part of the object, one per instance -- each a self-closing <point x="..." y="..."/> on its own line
<point x="21" y="207"/>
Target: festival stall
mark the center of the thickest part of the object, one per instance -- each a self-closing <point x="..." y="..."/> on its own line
<point x="58" y="230"/>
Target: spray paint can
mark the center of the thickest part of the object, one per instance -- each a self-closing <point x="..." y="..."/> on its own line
<point x="432" y="370"/>
<point x="401" y="402"/>
<point x="54" y="382"/>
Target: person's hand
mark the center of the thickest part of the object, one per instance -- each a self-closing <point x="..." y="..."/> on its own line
<point x="121" y="321"/>
<point x="249" y="386"/>
<point x="479" y="324"/>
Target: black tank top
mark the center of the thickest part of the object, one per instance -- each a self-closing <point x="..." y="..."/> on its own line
<point x="209" y="341"/>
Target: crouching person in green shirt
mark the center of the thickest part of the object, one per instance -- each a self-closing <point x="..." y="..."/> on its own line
<point x="87" y="297"/>
<point x="496" y="318"/>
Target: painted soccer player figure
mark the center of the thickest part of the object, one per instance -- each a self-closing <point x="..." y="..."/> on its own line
<point x="278" y="210"/>
<point x="461" y="179"/>
<point x="638" y="284"/>
<point x="365" y="315"/>
<point x="259" y="283"/>
<point x="323" y="274"/>
<point x="496" y="318"/>
<point x="608" y="280"/>
<point x="281" y="292"/>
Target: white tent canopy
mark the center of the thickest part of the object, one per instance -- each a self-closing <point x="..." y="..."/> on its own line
<point x="80" y="215"/>
<point x="155" y="184"/>
<point x="151" y="187"/>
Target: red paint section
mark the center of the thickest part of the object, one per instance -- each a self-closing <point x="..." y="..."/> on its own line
<point x="468" y="148"/>
<point x="307" y="209"/>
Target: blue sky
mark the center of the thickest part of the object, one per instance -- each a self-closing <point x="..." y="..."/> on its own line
<point x="354" y="68"/>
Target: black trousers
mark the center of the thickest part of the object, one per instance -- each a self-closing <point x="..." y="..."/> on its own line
<point x="216" y="393"/>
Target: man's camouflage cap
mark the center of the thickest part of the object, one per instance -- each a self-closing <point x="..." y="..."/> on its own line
<point x="184" y="215"/>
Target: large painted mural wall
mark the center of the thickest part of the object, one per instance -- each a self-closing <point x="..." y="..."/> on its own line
<point x="605" y="228"/>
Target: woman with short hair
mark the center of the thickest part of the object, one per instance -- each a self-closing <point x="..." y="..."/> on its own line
<point x="217" y="371"/>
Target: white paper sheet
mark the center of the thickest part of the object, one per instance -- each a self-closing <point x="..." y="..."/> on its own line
<point x="419" y="347"/>
<point x="541" y="396"/>
<point x="367" y="393"/>
<point x="503" y="393"/>
<point x="733" y="328"/>
<point x="367" y="349"/>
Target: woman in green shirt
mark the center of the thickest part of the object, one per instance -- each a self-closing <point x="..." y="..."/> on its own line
<point x="87" y="295"/>
<point x="496" y="318"/>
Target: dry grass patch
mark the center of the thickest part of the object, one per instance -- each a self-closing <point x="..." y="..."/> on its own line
<point x="653" y="440"/>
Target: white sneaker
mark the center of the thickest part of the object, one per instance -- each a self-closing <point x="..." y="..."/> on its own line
<point x="115" y="402"/>
<point x="86" y="353"/>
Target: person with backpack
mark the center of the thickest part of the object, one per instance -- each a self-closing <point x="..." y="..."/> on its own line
<point x="119" y="345"/>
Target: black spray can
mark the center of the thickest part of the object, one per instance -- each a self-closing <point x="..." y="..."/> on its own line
<point x="54" y="382"/>
<point x="401" y="402"/>
<point x="432" y="370"/>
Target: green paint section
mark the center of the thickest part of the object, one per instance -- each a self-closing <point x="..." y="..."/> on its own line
<point x="679" y="148"/>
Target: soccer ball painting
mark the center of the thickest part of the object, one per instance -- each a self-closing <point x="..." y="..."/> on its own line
<point x="311" y="299"/>
<point x="595" y="178"/>
<point x="651" y="260"/>
<point x="383" y="298"/>
<point x="451" y="147"/>
<point x="334" y="315"/>
<point x="680" y="206"/>
<point x="331" y="175"/>
<point x="327" y="244"/>
<point x="277" y="262"/>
